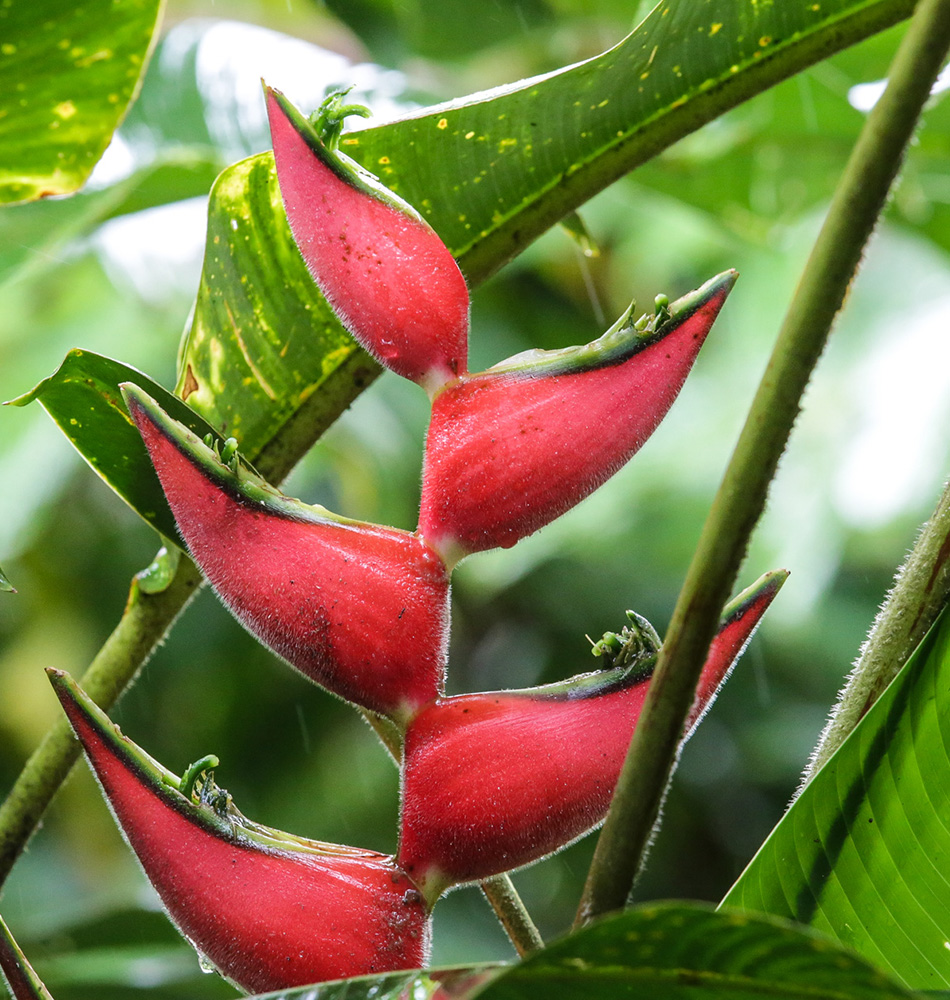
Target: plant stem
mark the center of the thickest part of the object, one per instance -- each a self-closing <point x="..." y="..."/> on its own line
<point x="504" y="900"/>
<point x="857" y="203"/>
<point x="921" y="588"/>
<point x="146" y="619"/>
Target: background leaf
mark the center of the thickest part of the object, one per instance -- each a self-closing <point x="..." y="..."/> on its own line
<point x="678" y="951"/>
<point x="67" y="73"/>
<point x="524" y="156"/>
<point x="33" y="236"/>
<point x="83" y="399"/>
<point x="863" y="852"/>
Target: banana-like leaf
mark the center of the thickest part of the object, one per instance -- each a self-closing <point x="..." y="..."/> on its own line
<point x="493" y="171"/>
<point x="665" y="952"/>
<point x="266" y="361"/>
<point x="675" y="951"/>
<point x="67" y="74"/>
<point x="863" y="854"/>
<point x="263" y="343"/>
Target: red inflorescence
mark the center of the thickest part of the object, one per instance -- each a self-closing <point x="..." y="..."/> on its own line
<point x="490" y="782"/>
<point x="382" y="267"/>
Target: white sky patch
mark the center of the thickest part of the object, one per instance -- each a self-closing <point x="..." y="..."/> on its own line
<point x="864" y="96"/>
<point x="158" y="251"/>
<point x="904" y="410"/>
<point x="232" y="59"/>
<point x="117" y="163"/>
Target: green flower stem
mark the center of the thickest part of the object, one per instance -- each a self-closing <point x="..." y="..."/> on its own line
<point x="855" y="208"/>
<point x="144" y="623"/>
<point x="921" y="588"/>
<point x="503" y="898"/>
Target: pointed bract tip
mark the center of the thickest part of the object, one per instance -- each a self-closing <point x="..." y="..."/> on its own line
<point x="138" y="400"/>
<point x="717" y="288"/>
<point x="764" y="589"/>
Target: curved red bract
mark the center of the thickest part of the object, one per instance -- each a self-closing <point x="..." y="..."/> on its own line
<point x="495" y="781"/>
<point x="267" y="918"/>
<point x="385" y="271"/>
<point x="508" y="452"/>
<point x="360" y="609"/>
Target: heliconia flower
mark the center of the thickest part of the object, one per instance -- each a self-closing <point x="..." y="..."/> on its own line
<point x="23" y="982"/>
<point x="495" y="781"/>
<point x="513" y="447"/>
<point x="267" y="909"/>
<point x="358" y="608"/>
<point x="382" y="267"/>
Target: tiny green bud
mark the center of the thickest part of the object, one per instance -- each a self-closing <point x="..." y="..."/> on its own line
<point x="193" y="773"/>
<point x="328" y="119"/>
<point x="229" y="451"/>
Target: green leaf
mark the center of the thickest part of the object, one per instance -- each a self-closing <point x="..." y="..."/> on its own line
<point x="5" y="585"/>
<point x="264" y="348"/>
<point x="862" y="853"/>
<point x="67" y="73"/>
<point x="678" y="951"/>
<point x="492" y="173"/>
<point x="83" y="399"/>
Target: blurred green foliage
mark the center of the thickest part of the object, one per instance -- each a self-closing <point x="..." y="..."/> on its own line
<point x="111" y="273"/>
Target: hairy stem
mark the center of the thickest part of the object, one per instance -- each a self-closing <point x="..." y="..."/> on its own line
<point x="921" y="588"/>
<point x="146" y="619"/>
<point x="855" y="208"/>
<point x="504" y="900"/>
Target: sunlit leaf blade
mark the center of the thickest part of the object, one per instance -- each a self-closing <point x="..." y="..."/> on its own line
<point x="264" y="345"/>
<point x="679" y="951"/>
<point x="492" y="174"/>
<point x="434" y="984"/>
<point x="23" y="982"/>
<point x="83" y="399"/>
<point x="67" y="73"/>
<point x="864" y="852"/>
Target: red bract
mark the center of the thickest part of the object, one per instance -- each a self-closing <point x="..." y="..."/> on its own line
<point x="495" y="781"/>
<point x="269" y="910"/>
<point x="360" y="609"/>
<point x="23" y="982"/>
<point x="383" y="269"/>
<point x="512" y="448"/>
